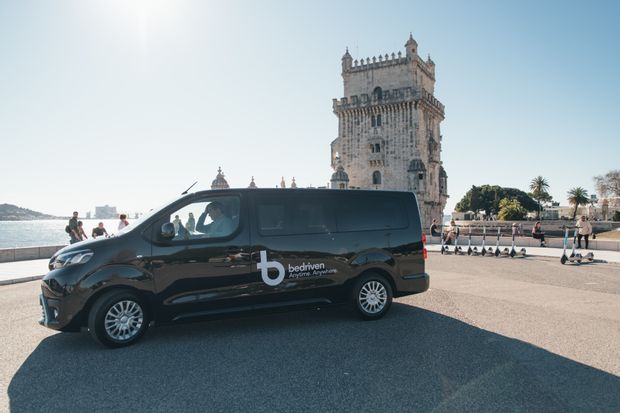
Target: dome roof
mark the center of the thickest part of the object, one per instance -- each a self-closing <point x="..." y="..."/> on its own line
<point x="416" y="165"/>
<point x="252" y="184"/>
<point x="340" y="175"/>
<point x="219" y="182"/>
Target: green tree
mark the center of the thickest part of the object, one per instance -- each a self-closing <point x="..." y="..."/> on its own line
<point x="539" y="187"/>
<point x="577" y="196"/>
<point x="487" y="198"/>
<point x="510" y="209"/>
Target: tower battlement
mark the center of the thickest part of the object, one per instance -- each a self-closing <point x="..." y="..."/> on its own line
<point x="374" y="63"/>
<point x="388" y="97"/>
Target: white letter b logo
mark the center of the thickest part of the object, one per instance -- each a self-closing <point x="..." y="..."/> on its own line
<point x="264" y="266"/>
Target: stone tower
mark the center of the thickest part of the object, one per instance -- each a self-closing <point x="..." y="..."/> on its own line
<point x="388" y="128"/>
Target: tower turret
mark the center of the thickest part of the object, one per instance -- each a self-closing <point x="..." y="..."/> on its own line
<point x="411" y="46"/>
<point x="340" y="179"/>
<point x="347" y="61"/>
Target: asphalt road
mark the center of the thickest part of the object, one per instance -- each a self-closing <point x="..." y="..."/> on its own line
<point x="491" y="335"/>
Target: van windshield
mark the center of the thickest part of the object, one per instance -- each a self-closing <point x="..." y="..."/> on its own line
<point x="145" y="217"/>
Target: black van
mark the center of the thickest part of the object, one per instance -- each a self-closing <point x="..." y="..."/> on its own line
<point x="219" y="252"/>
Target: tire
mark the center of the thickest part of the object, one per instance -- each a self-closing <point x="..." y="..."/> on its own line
<point x="372" y="296"/>
<point x="118" y="319"/>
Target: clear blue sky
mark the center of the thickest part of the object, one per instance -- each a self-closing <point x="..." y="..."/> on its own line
<point x="129" y="102"/>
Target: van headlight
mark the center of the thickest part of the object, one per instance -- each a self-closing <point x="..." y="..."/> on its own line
<point x="72" y="258"/>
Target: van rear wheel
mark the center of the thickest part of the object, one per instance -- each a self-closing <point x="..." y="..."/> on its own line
<point x="372" y="296"/>
<point x="118" y="319"/>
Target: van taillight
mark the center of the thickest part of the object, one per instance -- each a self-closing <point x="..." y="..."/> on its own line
<point x="423" y="238"/>
<point x="425" y="254"/>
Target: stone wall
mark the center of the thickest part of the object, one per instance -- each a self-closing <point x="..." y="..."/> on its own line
<point x="28" y="253"/>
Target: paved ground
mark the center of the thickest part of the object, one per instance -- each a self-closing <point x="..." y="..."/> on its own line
<point x="490" y="335"/>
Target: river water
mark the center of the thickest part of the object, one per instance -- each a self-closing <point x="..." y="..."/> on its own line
<point x="15" y="234"/>
<point x="45" y="232"/>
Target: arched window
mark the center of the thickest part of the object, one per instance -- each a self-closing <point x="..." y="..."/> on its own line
<point x="341" y="186"/>
<point x="378" y="93"/>
<point x="377" y="147"/>
<point x="373" y="121"/>
<point x="376" y="178"/>
<point x="378" y="120"/>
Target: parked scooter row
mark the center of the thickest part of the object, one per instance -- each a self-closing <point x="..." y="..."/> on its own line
<point x="484" y="251"/>
<point x="574" y="257"/>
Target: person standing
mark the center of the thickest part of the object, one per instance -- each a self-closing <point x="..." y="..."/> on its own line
<point x="516" y="230"/>
<point x="123" y="221"/>
<point x="191" y="223"/>
<point x="177" y="223"/>
<point x="73" y="228"/>
<point x="81" y="232"/>
<point x="585" y="229"/>
<point x="537" y="233"/>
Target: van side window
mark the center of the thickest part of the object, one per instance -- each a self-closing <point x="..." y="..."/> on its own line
<point x="214" y="217"/>
<point x="294" y="216"/>
<point x="271" y="218"/>
<point x="365" y="214"/>
<point x="311" y="216"/>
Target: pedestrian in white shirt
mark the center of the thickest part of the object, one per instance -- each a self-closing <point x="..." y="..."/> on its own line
<point x="585" y="229"/>
<point x="123" y="221"/>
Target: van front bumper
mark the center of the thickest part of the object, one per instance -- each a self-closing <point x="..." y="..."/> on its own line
<point x="412" y="284"/>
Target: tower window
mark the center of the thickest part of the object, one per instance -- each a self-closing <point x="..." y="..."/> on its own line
<point x="373" y="121"/>
<point x="378" y="120"/>
<point x="420" y="176"/>
<point x="376" y="178"/>
<point x="377" y="147"/>
<point x="378" y="92"/>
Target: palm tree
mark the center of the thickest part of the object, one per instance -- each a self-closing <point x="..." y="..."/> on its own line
<point x="577" y="196"/>
<point x="539" y="187"/>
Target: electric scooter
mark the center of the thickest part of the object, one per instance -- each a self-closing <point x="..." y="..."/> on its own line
<point x="444" y="247"/>
<point x="483" y="249"/>
<point x="458" y="250"/>
<point x="573" y="257"/>
<point x="470" y="250"/>
<point x="513" y="251"/>
<point x="497" y="251"/>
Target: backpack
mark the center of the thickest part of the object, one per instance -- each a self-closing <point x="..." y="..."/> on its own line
<point x="68" y="229"/>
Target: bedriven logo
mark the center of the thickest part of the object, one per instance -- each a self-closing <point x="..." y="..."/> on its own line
<point x="264" y="266"/>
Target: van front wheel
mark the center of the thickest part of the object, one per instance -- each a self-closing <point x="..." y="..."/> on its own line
<point x="118" y="319"/>
<point x="372" y="296"/>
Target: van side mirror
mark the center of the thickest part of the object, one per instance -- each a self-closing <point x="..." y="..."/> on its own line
<point x="167" y="230"/>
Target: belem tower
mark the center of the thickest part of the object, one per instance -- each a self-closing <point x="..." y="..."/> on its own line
<point x="389" y="129"/>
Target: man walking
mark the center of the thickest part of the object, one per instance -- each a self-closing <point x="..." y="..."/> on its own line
<point x="73" y="228"/>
